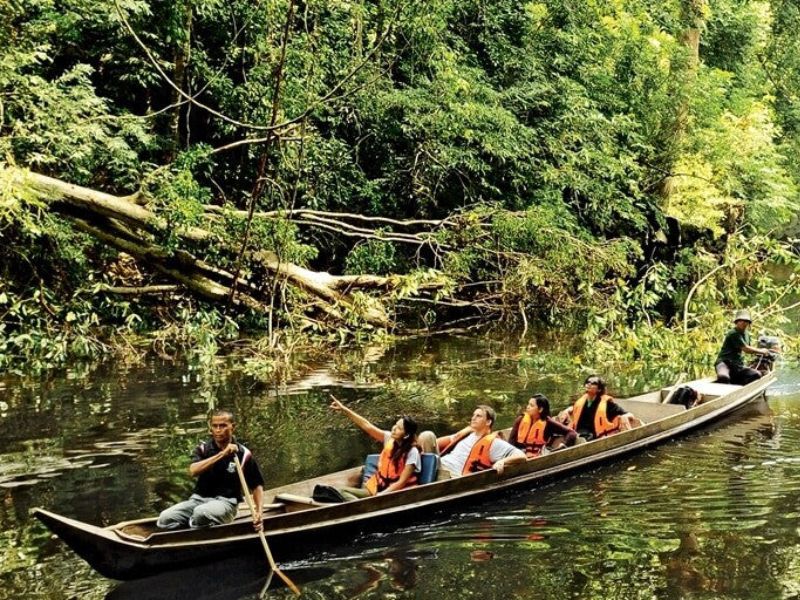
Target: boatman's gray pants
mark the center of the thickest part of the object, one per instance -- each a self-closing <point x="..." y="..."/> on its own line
<point x="198" y="512"/>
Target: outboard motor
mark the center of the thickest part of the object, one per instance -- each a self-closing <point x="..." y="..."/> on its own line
<point x="765" y="364"/>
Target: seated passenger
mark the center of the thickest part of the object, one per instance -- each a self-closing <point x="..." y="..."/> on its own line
<point x="474" y="448"/>
<point x="595" y="414"/>
<point x="535" y="429"/>
<point x="400" y="461"/>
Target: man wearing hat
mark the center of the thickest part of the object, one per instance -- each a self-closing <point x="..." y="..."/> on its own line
<point x="730" y="362"/>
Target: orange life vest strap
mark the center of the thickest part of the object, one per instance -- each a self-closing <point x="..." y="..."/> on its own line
<point x="602" y="426"/>
<point x="387" y="472"/>
<point x="531" y="435"/>
<point x="478" y="459"/>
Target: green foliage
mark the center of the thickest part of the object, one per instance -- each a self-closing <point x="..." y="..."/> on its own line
<point x="554" y="139"/>
<point x="549" y="265"/>
<point x="27" y="335"/>
<point x="695" y="200"/>
<point x="280" y="236"/>
<point x="374" y="256"/>
<point x="196" y="332"/>
<point x="51" y="117"/>
<point x="752" y="274"/>
<point x="178" y="198"/>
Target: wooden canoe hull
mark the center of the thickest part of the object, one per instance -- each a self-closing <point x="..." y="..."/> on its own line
<point x="124" y="557"/>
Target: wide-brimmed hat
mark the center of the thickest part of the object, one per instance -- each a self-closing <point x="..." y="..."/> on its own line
<point x="742" y="315"/>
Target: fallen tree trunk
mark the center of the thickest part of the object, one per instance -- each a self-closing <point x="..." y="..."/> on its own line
<point x="123" y="208"/>
<point x="143" y="290"/>
<point x="121" y="222"/>
<point x="321" y="284"/>
<point x="159" y="259"/>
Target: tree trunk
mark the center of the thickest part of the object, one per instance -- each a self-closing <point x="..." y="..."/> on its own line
<point x="127" y="226"/>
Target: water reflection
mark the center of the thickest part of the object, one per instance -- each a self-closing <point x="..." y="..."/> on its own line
<point x="237" y="578"/>
<point x="394" y="571"/>
<point x="683" y="574"/>
<point x="714" y="514"/>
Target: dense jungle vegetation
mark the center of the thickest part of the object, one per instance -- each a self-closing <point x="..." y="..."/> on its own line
<point x="260" y="176"/>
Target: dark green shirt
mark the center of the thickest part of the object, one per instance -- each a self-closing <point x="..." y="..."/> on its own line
<point x="731" y="351"/>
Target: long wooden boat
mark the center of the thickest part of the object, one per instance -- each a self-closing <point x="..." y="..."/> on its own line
<point x="295" y="524"/>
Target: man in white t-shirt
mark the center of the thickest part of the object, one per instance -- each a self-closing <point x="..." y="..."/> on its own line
<point x="474" y="448"/>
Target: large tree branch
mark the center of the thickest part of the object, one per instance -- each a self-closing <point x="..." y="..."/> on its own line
<point x="118" y="222"/>
<point x="115" y="207"/>
<point x="305" y="212"/>
<point x="142" y="290"/>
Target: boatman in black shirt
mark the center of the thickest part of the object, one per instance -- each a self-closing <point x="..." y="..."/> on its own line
<point x="730" y="362"/>
<point x="217" y="492"/>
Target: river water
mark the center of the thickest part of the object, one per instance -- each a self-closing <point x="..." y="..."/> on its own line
<point x="714" y="514"/>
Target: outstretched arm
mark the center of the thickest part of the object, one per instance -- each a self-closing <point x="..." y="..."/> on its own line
<point x="362" y="423"/>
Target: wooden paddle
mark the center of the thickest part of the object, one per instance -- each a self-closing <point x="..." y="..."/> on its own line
<point x="251" y="505"/>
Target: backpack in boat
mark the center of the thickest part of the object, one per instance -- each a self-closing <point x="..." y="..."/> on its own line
<point x="327" y="493"/>
<point x="684" y="396"/>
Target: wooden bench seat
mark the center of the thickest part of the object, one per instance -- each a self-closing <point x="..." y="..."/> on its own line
<point x="650" y="411"/>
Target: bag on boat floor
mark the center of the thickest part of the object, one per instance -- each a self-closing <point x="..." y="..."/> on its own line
<point x="685" y="396"/>
<point x="327" y="493"/>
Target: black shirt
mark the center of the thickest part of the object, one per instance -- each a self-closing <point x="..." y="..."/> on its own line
<point x="221" y="478"/>
<point x="586" y="423"/>
<point x="731" y="351"/>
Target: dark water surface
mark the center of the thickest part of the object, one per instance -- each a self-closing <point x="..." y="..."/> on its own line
<point x="715" y="514"/>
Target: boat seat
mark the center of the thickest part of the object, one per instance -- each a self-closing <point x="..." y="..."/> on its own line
<point x="294" y="502"/>
<point x="649" y="411"/>
<point x="708" y="389"/>
<point x="711" y="389"/>
<point x="430" y="467"/>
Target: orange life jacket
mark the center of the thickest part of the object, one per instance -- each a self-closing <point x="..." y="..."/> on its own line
<point x="387" y="472"/>
<point x="531" y="435"/>
<point x="478" y="459"/>
<point x="602" y="426"/>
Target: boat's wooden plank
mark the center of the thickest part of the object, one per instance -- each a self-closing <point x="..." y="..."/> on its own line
<point x="346" y="478"/>
<point x="713" y="389"/>
<point x="652" y="397"/>
<point x="650" y="411"/>
<point x="294" y="502"/>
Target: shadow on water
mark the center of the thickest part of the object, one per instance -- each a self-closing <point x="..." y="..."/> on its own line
<point x="231" y="579"/>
